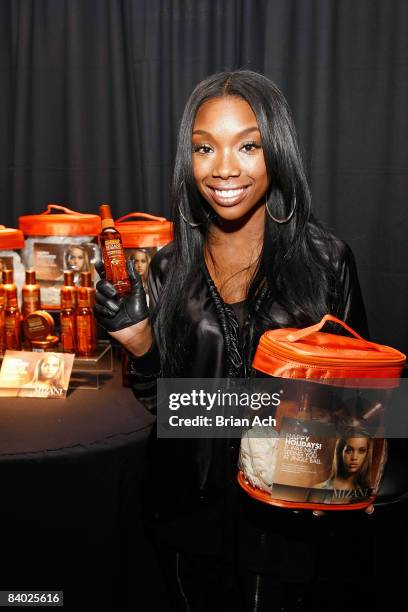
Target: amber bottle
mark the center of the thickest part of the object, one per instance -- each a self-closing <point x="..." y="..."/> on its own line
<point x="85" y="320"/>
<point x="86" y="281"/>
<point x="30" y="293"/>
<point x="112" y="251"/>
<point x="12" y="315"/>
<point x="68" y="313"/>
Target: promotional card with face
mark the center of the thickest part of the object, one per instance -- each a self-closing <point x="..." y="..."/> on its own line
<point x="316" y="464"/>
<point x="32" y="374"/>
<point x="51" y="259"/>
<point x="141" y="258"/>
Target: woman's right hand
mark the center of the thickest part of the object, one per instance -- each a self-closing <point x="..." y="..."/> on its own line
<point x="125" y="318"/>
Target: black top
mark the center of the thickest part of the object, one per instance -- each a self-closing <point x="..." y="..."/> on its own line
<point x="240" y="312"/>
<point x="182" y="475"/>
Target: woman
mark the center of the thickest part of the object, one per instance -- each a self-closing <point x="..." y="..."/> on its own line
<point x="247" y="256"/>
<point x="48" y="378"/>
<point x="351" y="468"/>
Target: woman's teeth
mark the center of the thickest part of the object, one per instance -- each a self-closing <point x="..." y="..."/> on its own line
<point x="229" y="193"/>
<point x="229" y="197"/>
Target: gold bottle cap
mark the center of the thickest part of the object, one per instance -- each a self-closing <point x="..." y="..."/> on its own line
<point x="30" y="277"/>
<point x="8" y="277"/>
<point x="86" y="279"/>
<point x="106" y="216"/>
<point x="69" y="278"/>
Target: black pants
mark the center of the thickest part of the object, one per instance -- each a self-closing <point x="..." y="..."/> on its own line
<point x="266" y="560"/>
<point x="205" y="584"/>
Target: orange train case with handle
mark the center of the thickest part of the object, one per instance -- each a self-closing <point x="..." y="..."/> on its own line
<point x="59" y="239"/>
<point x="324" y="448"/>
<point x="148" y="232"/>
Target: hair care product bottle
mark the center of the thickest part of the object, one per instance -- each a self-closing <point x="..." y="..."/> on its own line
<point x="85" y="320"/>
<point x="112" y="251"/>
<point x="86" y="281"/>
<point x="30" y="292"/>
<point x="68" y="296"/>
<point x="2" y="318"/>
<point x="12" y="313"/>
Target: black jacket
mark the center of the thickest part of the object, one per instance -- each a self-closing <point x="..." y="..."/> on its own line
<point x="182" y="475"/>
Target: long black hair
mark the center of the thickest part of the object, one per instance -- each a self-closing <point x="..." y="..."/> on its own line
<point x="291" y="269"/>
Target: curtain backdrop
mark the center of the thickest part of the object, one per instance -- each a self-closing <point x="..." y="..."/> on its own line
<point x="92" y="92"/>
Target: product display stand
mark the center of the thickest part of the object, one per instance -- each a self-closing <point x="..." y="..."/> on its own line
<point x="86" y="371"/>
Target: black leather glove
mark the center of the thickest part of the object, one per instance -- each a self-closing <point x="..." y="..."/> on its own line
<point x="114" y="313"/>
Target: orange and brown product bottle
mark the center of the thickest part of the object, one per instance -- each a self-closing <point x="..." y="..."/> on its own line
<point x="68" y="313"/>
<point x="30" y="293"/>
<point x="113" y="254"/>
<point x="2" y="318"/>
<point x="85" y="320"/>
<point x="12" y="315"/>
<point x="86" y="281"/>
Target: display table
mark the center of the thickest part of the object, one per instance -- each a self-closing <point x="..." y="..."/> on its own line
<point x="70" y="509"/>
<point x="84" y="421"/>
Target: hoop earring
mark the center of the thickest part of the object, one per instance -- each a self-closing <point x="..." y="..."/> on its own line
<point x="190" y="223"/>
<point x="285" y="219"/>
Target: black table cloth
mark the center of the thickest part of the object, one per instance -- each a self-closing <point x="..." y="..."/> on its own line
<point x="70" y="507"/>
<point x="84" y="419"/>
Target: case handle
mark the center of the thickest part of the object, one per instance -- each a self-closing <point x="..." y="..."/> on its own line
<point x="307" y="331"/>
<point x="304" y="333"/>
<point x="144" y="215"/>
<point x="51" y="207"/>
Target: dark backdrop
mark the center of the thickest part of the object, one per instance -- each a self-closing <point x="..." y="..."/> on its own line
<point x="92" y="92"/>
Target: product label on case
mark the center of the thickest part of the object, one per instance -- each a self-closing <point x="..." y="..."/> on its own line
<point x="314" y="464"/>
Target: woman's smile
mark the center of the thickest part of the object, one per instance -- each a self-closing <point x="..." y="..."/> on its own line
<point x="228" y="196"/>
